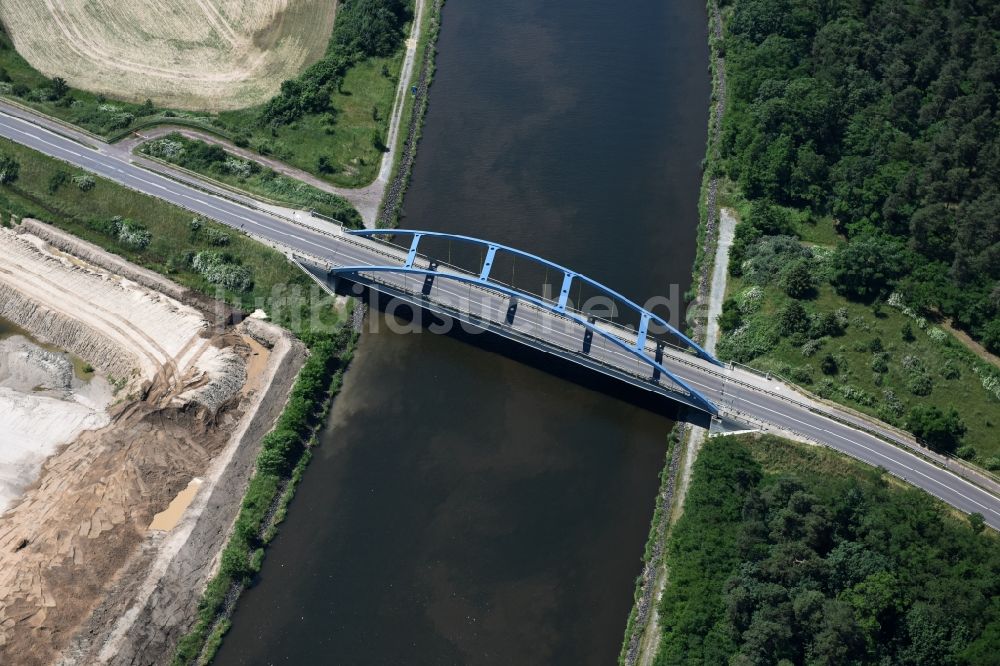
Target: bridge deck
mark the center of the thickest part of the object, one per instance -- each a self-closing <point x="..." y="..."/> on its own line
<point x="473" y="302"/>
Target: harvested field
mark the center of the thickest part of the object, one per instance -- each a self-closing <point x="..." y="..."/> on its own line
<point x="146" y="489"/>
<point x="190" y="54"/>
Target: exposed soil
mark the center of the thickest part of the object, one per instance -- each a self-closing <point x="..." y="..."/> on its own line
<point x="77" y="548"/>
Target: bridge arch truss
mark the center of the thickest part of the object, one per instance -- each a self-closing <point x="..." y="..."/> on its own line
<point x="559" y="307"/>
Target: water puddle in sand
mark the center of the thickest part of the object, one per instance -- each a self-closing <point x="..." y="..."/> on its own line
<point x="81" y="369"/>
<point x="167" y="519"/>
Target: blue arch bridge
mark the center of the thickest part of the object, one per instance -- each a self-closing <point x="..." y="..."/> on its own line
<point x="649" y="354"/>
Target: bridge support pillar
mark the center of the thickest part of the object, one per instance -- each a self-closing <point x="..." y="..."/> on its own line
<point x="659" y="361"/>
<point x="588" y="337"/>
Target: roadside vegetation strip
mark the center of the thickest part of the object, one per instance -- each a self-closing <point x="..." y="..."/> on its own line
<point x="213" y="162"/>
<point x="194" y="252"/>
<point x="331" y="120"/>
<point x="791" y="552"/>
<point x="835" y="284"/>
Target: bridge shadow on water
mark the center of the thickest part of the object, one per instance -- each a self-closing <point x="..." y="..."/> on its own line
<point x="408" y="314"/>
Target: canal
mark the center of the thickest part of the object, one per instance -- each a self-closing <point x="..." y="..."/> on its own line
<point x="465" y="506"/>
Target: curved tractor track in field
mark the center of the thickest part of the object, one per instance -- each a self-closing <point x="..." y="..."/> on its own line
<point x="196" y="54"/>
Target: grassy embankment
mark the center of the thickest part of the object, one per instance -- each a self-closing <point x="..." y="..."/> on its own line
<point x="414" y="110"/>
<point x="250" y="176"/>
<point x="887" y="360"/>
<point x="355" y="86"/>
<point x="659" y="526"/>
<point x="788" y="552"/>
<point x="825" y="260"/>
<point x="161" y="237"/>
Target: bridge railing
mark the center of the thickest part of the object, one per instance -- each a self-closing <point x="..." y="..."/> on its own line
<point x="423" y="261"/>
<point x="630" y="364"/>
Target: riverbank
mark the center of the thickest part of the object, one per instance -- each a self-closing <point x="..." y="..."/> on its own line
<point x="416" y="106"/>
<point x="279" y="468"/>
<point x="643" y="631"/>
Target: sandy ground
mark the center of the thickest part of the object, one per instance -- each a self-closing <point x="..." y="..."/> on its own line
<point x="191" y="54"/>
<point x="43" y="406"/>
<point x="192" y="387"/>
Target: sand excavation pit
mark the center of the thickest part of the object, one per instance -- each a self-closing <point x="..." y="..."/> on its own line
<point x="119" y="487"/>
<point x="190" y="54"/>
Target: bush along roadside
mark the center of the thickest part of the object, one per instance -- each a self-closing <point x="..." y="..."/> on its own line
<point x="285" y="452"/>
<point x="215" y="162"/>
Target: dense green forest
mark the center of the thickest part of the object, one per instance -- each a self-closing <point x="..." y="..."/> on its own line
<point x="794" y="554"/>
<point x="882" y="115"/>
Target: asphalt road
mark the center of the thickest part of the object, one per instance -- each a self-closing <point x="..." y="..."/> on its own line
<point x="738" y="393"/>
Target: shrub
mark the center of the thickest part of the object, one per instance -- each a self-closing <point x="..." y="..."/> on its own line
<point x="239" y="168"/>
<point x="967" y="452"/>
<point x="120" y="121"/>
<point x="892" y="404"/>
<point x="989" y="378"/>
<point x="730" y="318"/>
<point x="811" y="347"/>
<point x="792" y="319"/>
<point x="941" y="431"/>
<point x="824" y="324"/>
<point x="219" y="269"/>
<point x="829" y="365"/>
<point x="797" y="279"/>
<point x="938" y="336"/>
<point x="9" y="169"/>
<point x="768" y="257"/>
<point x="128" y="232"/>
<point x="750" y="300"/>
<point x="216" y="237"/>
<point x="857" y="395"/>
<point x="801" y="374"/>
<point x="84" y="181"/>
<point x="166" y="148"/>
<point x="919" y="383"/>
<point x="880" y="362"/>
<point x="747" y="343"/>
<point x="58" y="179"/>
<point x="950" y="370"/>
